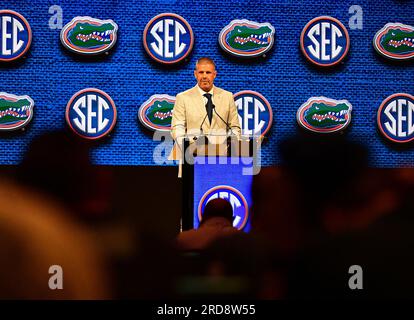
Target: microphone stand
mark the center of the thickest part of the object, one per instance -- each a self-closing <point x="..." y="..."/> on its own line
<point x="228" y="128"/>
<point x="201" y="132"/>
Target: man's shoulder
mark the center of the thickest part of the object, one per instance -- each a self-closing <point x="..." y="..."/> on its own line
<point x="220" y="91"/>
<point x="188" y="92"/>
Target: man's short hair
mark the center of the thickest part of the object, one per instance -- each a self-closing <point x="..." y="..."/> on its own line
<point x="217" y="208"/>
<point x="205" y="60"/>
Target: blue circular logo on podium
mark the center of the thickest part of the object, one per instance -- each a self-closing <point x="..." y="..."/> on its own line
<point x="232" y="195"/>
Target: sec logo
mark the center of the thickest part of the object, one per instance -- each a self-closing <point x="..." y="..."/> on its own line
<point x="91" y="113"/>
<point x="232" y="195"/>
<point x="168" y="38"/>
<point x="395" y="117"/>
<point x="324" y="41"/>
<point x="255" y="113"/>
<point x="15" y="35"/>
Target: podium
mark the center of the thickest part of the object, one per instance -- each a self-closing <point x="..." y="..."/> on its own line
<point x="224" y="169"/>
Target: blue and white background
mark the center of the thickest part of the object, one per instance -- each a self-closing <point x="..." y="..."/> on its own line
<point x="51" y="75"/>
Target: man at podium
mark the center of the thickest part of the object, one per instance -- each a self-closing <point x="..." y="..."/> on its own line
<point x="204" y="110"/>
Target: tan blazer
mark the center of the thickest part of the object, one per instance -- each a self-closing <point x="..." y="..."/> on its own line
<point x="189" y="112"/>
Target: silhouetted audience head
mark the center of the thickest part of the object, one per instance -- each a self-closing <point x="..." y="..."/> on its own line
<point x="217" y="208"/>
<point x="217" y="222"/>
<point x="323" y="159"/>
<point x="58" y="163"/>
<point x="325" y="170"/>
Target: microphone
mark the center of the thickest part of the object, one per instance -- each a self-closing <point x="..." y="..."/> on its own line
<point x="227" y="125"/>
<point x="229" y="142"/>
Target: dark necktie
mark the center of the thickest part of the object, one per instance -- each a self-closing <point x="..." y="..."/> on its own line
<point x="209" y="106"/>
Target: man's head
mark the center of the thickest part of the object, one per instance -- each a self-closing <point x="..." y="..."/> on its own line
<point x="205" y="73"/>
<point x="218" y="208"/>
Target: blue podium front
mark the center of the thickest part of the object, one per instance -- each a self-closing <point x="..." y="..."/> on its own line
<point x="223" y="177"/>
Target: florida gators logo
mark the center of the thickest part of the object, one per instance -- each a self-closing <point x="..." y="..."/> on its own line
<point x="232" y="195"/>
<point x="255" y="113"/>
<point x="15" y="111"/>
<point x="86" y="35"/>
<point x="395" y="41"/>
<point x="156" y="112"/>
<point x="324" y="41"/>
<point x="324" y="115"/>
<point x="168" y="38"/>
<point x="244" y="38"/>
<point x="15" y="35"/>
<point x="91" y="113"/>
<point x="395" y="117"/>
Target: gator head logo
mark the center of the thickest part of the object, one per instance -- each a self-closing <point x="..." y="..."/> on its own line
<point x="244" y="38"/>
<point x="395" y="41"/>
<point x="324" y="41"/>
<point x="15" y="111"/>
<point x="156" y="112"/>
<point x="395" y="117"/>
<point x="232" y="195"/>
<point x="15" y="35"/>
<point x="86" y="35"/>
<point x="324" y="115"/>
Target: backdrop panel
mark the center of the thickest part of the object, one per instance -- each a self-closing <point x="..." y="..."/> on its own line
<point x="51" y="75"/>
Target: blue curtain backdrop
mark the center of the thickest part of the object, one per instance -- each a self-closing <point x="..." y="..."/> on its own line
<point x="50" y="75"/>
